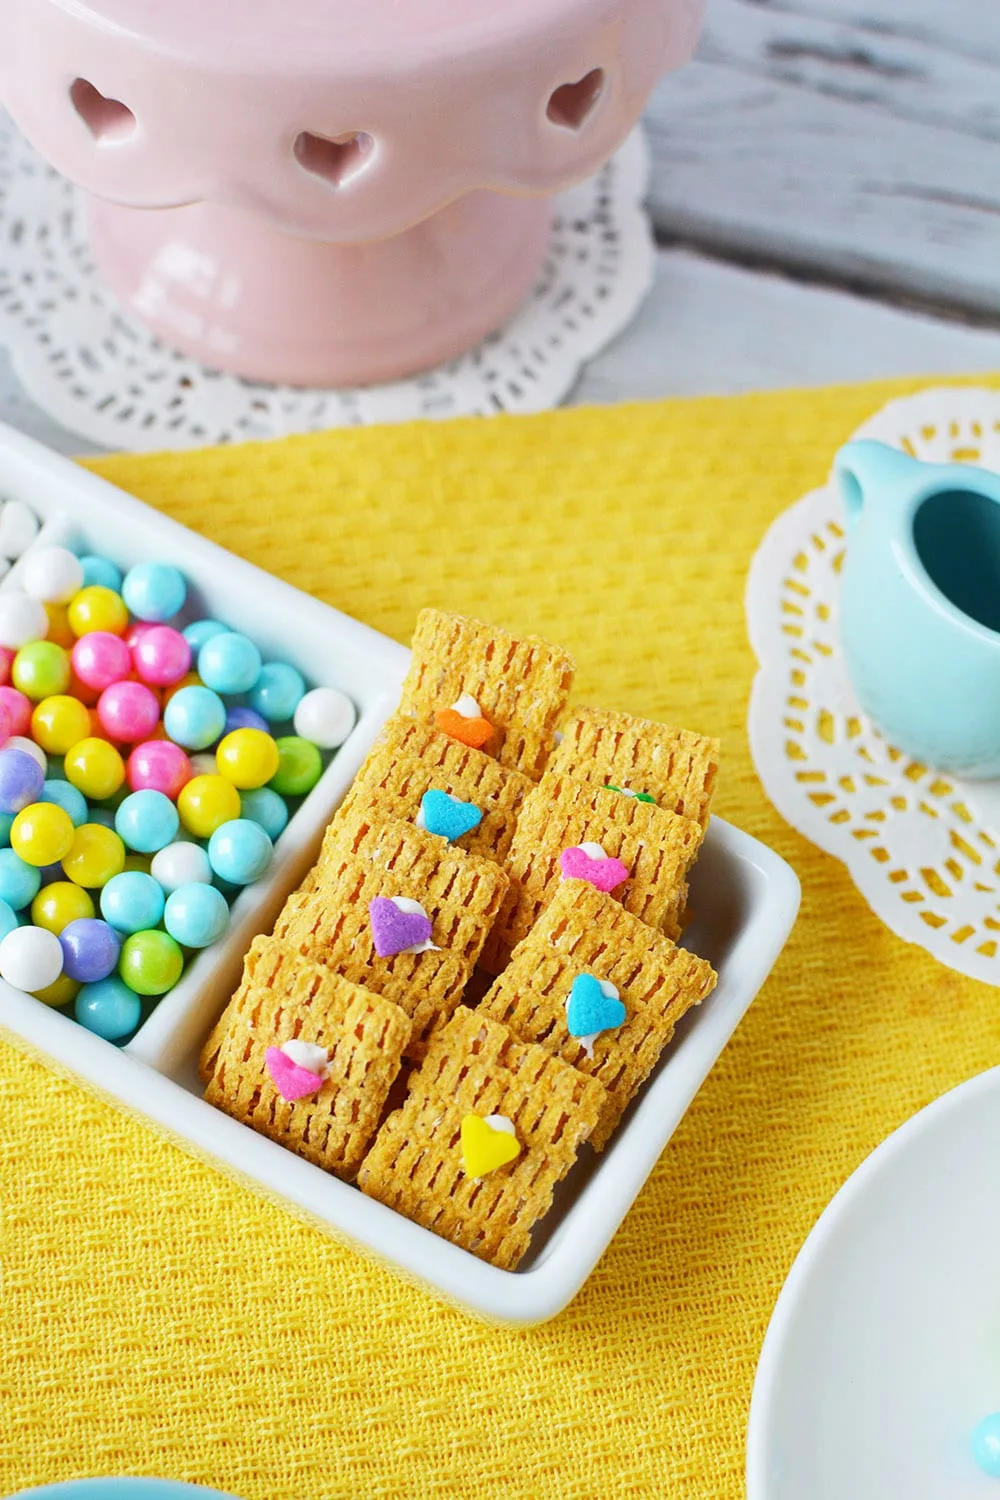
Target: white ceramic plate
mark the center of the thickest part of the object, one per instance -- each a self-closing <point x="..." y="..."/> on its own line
<point x="884" y="1349"/>
<point x="745" y="896"/>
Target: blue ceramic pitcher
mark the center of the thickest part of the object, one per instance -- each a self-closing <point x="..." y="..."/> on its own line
<point x="920" y="604"/>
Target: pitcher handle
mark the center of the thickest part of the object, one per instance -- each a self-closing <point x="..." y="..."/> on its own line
<point x="866" y="472"/>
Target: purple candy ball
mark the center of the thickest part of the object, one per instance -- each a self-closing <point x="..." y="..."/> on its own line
<point x="245" y="718"/>
<point x="90" y="949"/>
<point x="21" y="780"/>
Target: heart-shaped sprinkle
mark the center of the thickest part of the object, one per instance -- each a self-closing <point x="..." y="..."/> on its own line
<point x="476" y="733"/>
<point x="599" y="870"/>
<point x="291" y="1081"/>
<point x="626" y="791"/>
<point x="397" y="929"/>
<point x="487" y="1144"/>
<point x="307" y="1055"/>
<point x="447" y="816"/>
<point x="593" y="1006"/>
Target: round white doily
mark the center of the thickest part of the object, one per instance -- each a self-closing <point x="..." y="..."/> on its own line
<point x="99" y="373"/>
<point x="922" y="848"/>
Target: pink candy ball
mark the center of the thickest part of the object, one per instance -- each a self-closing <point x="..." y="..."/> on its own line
<point x="6" y="659"/>
<point x="101" y="659"/>
<point x="18" y="710"/>
<point x="135" y="633"/>
<point x="128" y="711"/>
<point x="159" y="766"/>
<point x="162" y="656"/>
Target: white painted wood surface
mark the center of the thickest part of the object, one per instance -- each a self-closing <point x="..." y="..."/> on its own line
<point x="861" y="141"/>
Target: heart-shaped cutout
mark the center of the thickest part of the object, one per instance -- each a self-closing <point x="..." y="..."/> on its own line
<point x="448" y="816"/>
<point x="486" y="1146"/>
<point x="572" y="104"/>
<point x="337" y="161"/>
<point x="106" y="119"/>
<point x="476" y="733"/>
<point x="291" y="1081"/>
<point x="593" y="1007"/>
<point x="603" y="873"/>
<point x="395" y="930"/>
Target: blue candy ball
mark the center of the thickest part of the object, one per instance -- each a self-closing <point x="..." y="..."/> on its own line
<point x="240" y="851"/>
<point x="63" y="794"/>
<point x="8" y="919"/>
<point x="195" y="718"/>
<point x="245" y="718"/>
<point x="201" y="631"/>
<point x="266" y="807"/>
<point x="229" y="663"/>
<point x="19" y="881"/>
<point x="90" y="949"/>
<point x="986" y="1445"/>
<point x="100" y="572"/>
<point x="147" y="821"/>
<point x="154" y="591"/>
<point x="278" y="692"/>
<point x="196" y="915"/>
<point x="132" y="902"/>
<point x="108" y="1008"/>
<point x="21" y="780"/>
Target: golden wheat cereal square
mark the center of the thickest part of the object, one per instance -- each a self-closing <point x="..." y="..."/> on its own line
<point x="474" y="1066"/>
<point x="564" y="812"/>
<point x="282" y="998"/>
<point x="676" y="767"/>
<point x="584" y="931"/>
<point x="521" y="684"/>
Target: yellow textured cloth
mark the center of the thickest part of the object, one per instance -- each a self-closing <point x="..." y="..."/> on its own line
<point x="157" y="1319"/>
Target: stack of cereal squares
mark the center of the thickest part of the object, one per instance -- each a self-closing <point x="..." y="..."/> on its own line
<point x="484" y="831"/>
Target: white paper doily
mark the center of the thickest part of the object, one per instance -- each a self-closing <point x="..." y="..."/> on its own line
<point x="922" y="848"/>
<point x="99" y="373"/>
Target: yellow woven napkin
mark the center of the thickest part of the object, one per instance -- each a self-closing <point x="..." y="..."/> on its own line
<point x="157" y="1319"/>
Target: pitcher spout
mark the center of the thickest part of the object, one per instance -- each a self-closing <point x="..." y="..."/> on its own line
<point x="867" y="473"/>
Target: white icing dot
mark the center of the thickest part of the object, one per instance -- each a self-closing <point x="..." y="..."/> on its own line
<point x="307" y="1055"/>
<point x="468" y="707"/>
<point x="594" y="850"/>
<point x="608" y="990"/>
<point x="411" y="907"/>
<point x="501" y="1122"/>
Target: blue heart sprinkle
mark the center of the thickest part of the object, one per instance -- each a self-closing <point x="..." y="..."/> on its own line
<point x="590" y="1010"/>
<point x="447" y="816"/>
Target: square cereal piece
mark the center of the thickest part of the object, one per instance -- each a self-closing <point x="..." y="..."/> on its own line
<point x="520" y="684"/>
<point x="584" y="931"/>
<point x="676" y="767"/>
<point x="416" y="1165"/>
<point x="282" y="998"/>
<point x="413" y="760"/>
<point x="563" y="812"/>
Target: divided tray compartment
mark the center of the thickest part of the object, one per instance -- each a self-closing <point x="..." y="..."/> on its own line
<point x="745" y="898"/>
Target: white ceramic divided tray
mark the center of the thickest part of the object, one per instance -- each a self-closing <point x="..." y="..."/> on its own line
<point x="745" y="896"/>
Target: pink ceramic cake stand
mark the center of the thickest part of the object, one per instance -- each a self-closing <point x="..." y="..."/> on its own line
<point x="329" y="192"/>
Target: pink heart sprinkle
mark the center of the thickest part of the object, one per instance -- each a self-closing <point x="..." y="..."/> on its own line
<point x="394" y="930"/>
<point x="602" y="874"/>
<point x="291" y="1081"/>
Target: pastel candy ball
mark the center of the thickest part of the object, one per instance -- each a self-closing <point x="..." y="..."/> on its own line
<point x="154" y="591"/>
<point x="90" y="949"/>
<point x="108" y="1008"/>
<point x="132" y="901"/>
<point x="60" y="722"/>
<point x="42" y="834"/>
<point x="60" y="903"/>
<point x="19" y="882"/>
<point x="180" y="864"/>
<point x="244" y="718"/>
<point x="97" y="856"/>
<point x="28" y="747"/>
<point x="16" y="709"/>
<point x="8" y="919"/>
<point x="300" y="766"/>
<point x="147" y="821"/>
<point x="30" y="958"/>
<point x="162" y="656"/>
<point x="95" y="768"/>
<point x="151" y="962"/>
<point x="229" y="663"/>
<point x="22" y="619"/>
<point x="160" y="766"/>
<point x="277" y="692"/>
<point x="100" y="659"/>
<point x="248" y="758"/>
<point x="6" y="824"/>
<point x="52" y="574"/>
<point x="100" y="571"/>
<point x="18" y="528"/>
<point x="206" y="803"/>
<point x="325" y="716"/>
<point x="21" y="779"/>
<point x="265" y="807"/>
<point x="240" y="851"/>
<point x="68" y="797"/>
<point x="98" y="608"/>
<point x="41" y="669"/>
<point x="62" y="992"/>
<point x="128" y="711"/>
<point x="201" y="631"/>
<point x="195" y="717"/>
<point x="196" y="915"/>
<point x="6" y="662"/>
<point x="203" y="764"/>
<point x="59" y="626"/>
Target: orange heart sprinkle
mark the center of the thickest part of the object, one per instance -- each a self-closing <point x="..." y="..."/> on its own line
<point x="473" y="732"/>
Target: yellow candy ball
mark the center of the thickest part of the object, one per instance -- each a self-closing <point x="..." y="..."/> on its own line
<point x="248" y="758"/>
<point x="60" y="993"/>
<point x="95" y="768"/>
<point x="205" y="803"/>
<point x="60" y="630"/>
<point x="97" y="608"/>
<point x="42" y="834"/>
<point x="140" y="862"/>
<point x="59" y="723"/>
<point x="97" y="855"/>
<point x="60" y="903"/>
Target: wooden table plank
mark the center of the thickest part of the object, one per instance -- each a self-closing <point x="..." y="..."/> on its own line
<point x="864" y="149"/>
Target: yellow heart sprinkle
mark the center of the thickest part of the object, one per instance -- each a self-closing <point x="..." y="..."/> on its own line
<point x="484" y="1149"/>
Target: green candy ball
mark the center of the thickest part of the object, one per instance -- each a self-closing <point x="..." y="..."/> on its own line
<point x="300" y="766"/>
<point x="151" y="962"/>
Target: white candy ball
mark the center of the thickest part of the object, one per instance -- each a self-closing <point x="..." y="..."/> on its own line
<point x="204" y="764"/>
<point x="22" y="619"/>
<point x="21" y="742"/>
<point x="52" y="574"/>
<point x="31" y="958"/>
<point x="181" y="864"/>
<point x="326" y="716"/>
<point x="18" y="528"/>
